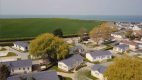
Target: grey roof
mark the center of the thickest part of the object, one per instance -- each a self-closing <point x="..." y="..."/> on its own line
<point x="78" y="47"/>
<point x="99" y="53"/>
<point x="99" y="68"/>
<point x="19" y="63"/>
<point x="72" y="60"/>
<point x="21" y="43"/>
<point x="123" y="46"/>
<point x="117" y="33"/>
<point x="44" y="75"/>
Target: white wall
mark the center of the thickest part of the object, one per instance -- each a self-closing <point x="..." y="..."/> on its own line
<point x="99" y="58"/>
<point x="63" y="66"/>
<point x="97" y="75"/>
<point x="21" y="70"/>
<point x="88" y="56"/>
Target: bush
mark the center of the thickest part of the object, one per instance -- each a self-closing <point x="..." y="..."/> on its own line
<point x="3" y="49"/>
<point x="11" y="54"/>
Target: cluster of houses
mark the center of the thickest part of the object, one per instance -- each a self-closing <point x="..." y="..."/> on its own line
<point x="24" y="67"/>
<point x="124" y="43"/>
<point x="129" y="25"/>
<point x="93" y="56"/>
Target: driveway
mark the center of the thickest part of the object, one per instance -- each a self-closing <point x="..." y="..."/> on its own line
<point x="23" y="55"/>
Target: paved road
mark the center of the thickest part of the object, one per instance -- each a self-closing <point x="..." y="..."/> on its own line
<point x="23" y="55"/>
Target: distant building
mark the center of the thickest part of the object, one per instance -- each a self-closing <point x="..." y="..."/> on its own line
<point x="78" y="49"/>
<point x="44" y="75"/>
<point x="121" y="48"/>
<point x="70" y="63"/>
<point x="20" y="45"/>
<point x="135" y="27"/>
<point x="98" y="71"/>
<point x="72" y="40"/>
<point x="98" y="55"/>
<point x="137" y="32"/>
<point x="117" y="35"/>
<point x="19" y="67"/>
<point x="132" y="45"/>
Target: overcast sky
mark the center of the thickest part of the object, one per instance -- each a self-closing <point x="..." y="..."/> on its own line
<point x="71" y="7"/>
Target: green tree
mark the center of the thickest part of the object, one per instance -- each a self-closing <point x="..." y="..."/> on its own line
<point x="125" y="68"/>
<point x="58" y="32"/>
<point x="49" y="46"/>
<point x="4" y="72"/>
<point x="82" y="33"/>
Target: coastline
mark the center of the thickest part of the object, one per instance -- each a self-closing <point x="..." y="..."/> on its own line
<point x="114" y="18"/>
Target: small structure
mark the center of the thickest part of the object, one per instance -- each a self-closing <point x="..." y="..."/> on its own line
<point x="98" y="71"/>
<point x="121" y="48"/>
<point x="44" y="75"/>
<point x="135" y="27"/>
<point x="70" y="63"/>
<point x="117" y="35"/>
<point x="78" y="49"/>
<point x="19" y="67"/>
<point x="71" y="40"/>
<point x="40" y="64"/>
<point x="98" y="55"/>
<point x="132" y="45"/>
<point x="20" y="45"/>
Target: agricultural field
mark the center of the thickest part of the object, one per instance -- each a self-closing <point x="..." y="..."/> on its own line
<point x="31" y="27"/>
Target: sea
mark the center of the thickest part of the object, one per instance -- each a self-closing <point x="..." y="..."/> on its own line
<point x="115" y="18"/>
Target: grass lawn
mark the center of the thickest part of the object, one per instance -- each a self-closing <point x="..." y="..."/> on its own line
<point x="31" y="27"/>
<point x="88" y="74"/>
<point x="3" y="49"/>
<point x="11" y="54"/>
<point x="96" y="62"/>
<point x="84" y="74"/>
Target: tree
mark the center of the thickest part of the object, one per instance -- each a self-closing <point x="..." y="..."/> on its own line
<point x="125" y="68"/>
<point x="49" y="46"/>
<point x="58" y="32"/>
<point x="95" y="34"/>
<point x="129" y="34"/>
<point x="4" y="72"/>
<point x="83" y="34"/>
<point x="102" y="32"/>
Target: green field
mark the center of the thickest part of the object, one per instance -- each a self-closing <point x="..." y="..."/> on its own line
<point x="18" y="28"/>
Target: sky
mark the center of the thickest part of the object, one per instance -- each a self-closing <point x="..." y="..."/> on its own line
<point x="70" y="7"/>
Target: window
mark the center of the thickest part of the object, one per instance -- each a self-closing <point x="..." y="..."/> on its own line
<point x="23" y="68"/>
<point x="19" y="68"/>
<point x="28" y="68"/>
